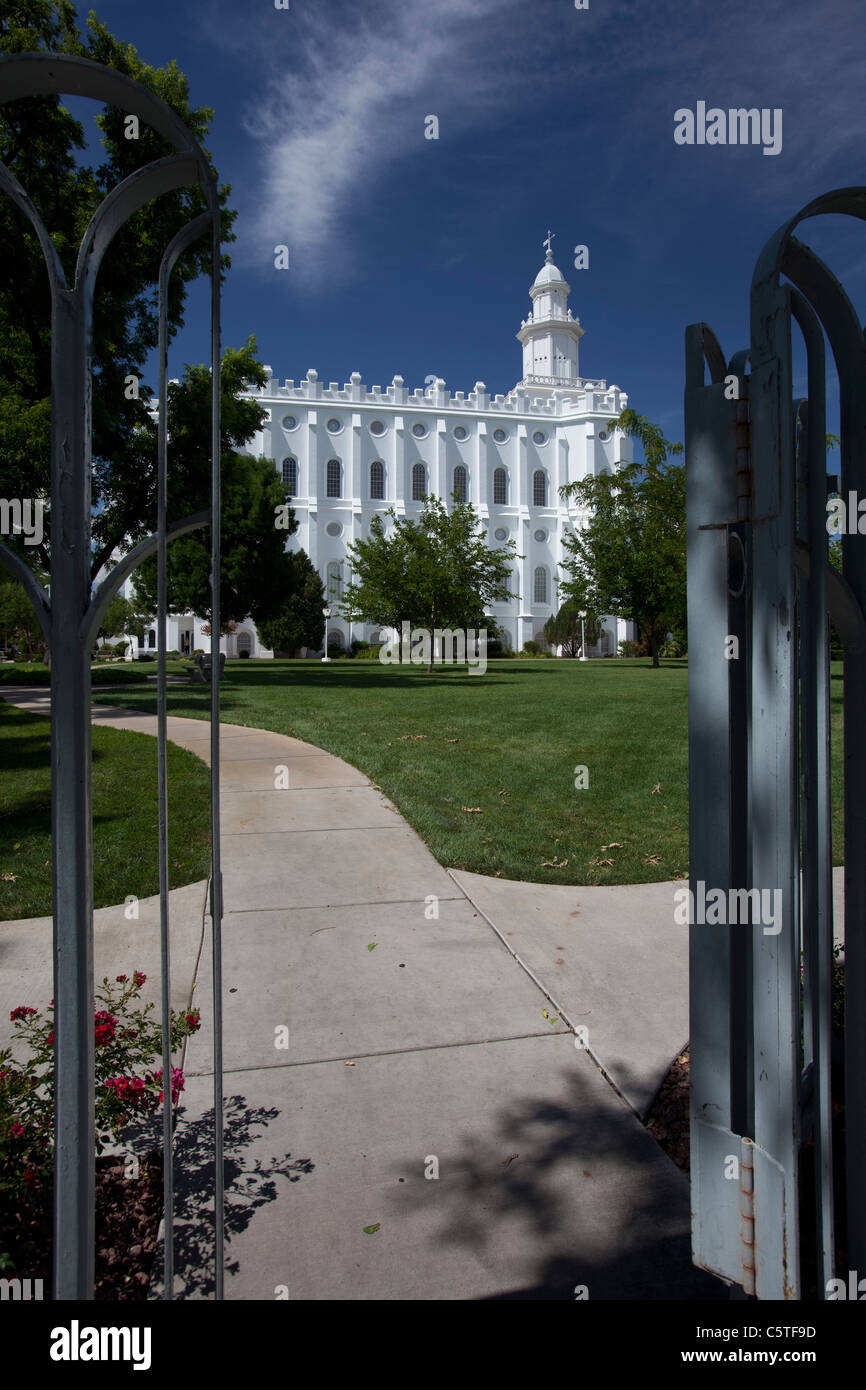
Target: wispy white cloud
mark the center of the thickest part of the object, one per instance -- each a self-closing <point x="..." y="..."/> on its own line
<point x="353" y="105"/>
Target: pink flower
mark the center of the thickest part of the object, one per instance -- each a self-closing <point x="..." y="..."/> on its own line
<point x="120" y="979"/>
<point x="138" y="978"/>
<point x="17" y="1129"/>
<point x="176" y="1083"/>
<point x="21" y="1012"/>
<point x="106" y="1026"/>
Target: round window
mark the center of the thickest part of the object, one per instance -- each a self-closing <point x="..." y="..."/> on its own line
<point x="539" y="437"/>
<point x="334" y="528"/>
<point x="334" y="426"/>
<point x="376" y="427"/>
<point x="419" y="430"/>
<point x="602" y="434"/>
<point x="540" y="535"/>
<point x="500" y="533"/>
<point x="460" y="432"/>
<point x="500" y="436"/>
<point x="289" y="422"/>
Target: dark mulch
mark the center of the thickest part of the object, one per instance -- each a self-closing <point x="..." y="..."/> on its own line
<point x="668" y="1119"/>
<point x="128" y="1213"/>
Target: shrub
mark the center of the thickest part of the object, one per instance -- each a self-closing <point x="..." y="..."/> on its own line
<point x="126" y="1040"/>
<point x="243" y="654"/>
<point x="531" y="649"/>
<point x="630" y="649"/>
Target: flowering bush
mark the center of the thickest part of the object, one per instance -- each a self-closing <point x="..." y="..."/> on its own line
<point x="125" y="1039"/>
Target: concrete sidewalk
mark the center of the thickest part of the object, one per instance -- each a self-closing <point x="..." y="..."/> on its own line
<point x="407" y="1114"/>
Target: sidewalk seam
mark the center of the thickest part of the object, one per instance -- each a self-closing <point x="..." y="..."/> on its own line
<point x="562" y="1013"/>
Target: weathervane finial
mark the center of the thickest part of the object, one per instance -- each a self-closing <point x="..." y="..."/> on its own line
<point x="547" y="241"/>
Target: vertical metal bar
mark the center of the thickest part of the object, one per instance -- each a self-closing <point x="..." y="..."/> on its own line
<point x="817" y="840"/>
<point x="711" y="500"/>
<point x="773" y="834"/>
<point x="216" y="871"/>
<point x="162" y="789"/>
<point x="72" y="849"/>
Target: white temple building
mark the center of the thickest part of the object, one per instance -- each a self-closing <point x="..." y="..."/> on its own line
<point x="347" y="453"/>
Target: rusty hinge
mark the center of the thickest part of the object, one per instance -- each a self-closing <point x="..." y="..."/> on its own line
<point x="747" y="1215"/>
<point x="744" y="462"/>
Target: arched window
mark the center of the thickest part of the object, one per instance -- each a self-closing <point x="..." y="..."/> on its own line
<point x="377" y="480"/>
<point x="539" y="488"/>
<point x="460" y="483"/>
<point x="290" y="476"/>
<point x="151" y="638"/>
<point x="334" y="581"/>
<point x="245" y="642"/>
<point x="500" y="487"/>
<point x="539" y="588"/>
<point x="419" y="481"/>
<point x="334" y="478"/>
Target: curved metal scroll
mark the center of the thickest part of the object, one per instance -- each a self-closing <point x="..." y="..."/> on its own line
<point x="71" y="617"/>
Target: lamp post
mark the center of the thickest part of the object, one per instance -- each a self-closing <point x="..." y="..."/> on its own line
<point x="327" y="613"/>
<point x="582" y="637"/>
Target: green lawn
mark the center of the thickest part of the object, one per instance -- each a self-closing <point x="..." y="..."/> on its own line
<point x="124" y="815"/>
<point x="506" y="742"/>
<point x="101" y="673"/>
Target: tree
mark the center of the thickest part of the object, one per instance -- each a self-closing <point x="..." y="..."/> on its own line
<point x="300" y="623"/>
<point x="42" y="145"/>
<point x="631" y="558"/>
<point x="123" y="616"/>
<point x="256" y="574"/>
<point x="436" y="572"/>
<point x="564" y="629"/>
<point x="19" y="625"/>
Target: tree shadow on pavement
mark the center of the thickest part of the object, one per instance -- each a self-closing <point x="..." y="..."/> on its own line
<point x="577" y="1190"/>
<point x="249" y="1184"/>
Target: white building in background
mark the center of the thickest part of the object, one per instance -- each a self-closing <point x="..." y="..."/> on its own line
<point x="347" y="453"/>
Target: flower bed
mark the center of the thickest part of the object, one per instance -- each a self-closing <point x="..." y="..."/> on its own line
<point x="129" y="1186"/>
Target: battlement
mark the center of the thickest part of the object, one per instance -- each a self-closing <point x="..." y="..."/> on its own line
<point x="579" y="396"/>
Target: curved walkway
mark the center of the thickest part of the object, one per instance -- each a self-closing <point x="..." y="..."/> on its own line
<point x="409" y="1115"/>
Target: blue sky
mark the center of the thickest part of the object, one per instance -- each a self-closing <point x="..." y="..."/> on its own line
<point x="415" y="256"/>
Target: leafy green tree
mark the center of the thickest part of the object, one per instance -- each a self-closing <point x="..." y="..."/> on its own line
<point x="300" y="623"/>
<point x="436" y="572"/>
<point x="124" y="616"/>
<point x="564" y="628"/>
<point x="257" y="572"/>
<point x="46" y="149"/>
<point x="631" y="559"/>
<point x="19" y="625"/>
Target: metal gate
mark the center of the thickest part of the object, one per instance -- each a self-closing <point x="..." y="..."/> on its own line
<point x="760" y="588"/>
<point x="70" y="620"/>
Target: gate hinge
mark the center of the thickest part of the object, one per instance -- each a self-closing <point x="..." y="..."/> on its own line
<point x="747" y="1215"/>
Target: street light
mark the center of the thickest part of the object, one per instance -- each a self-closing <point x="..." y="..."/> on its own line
<point x="327" y="613"/>
<point x="582" y="637"/>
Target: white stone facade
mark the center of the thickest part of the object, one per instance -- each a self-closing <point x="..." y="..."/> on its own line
<point x="351" y="452"/>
